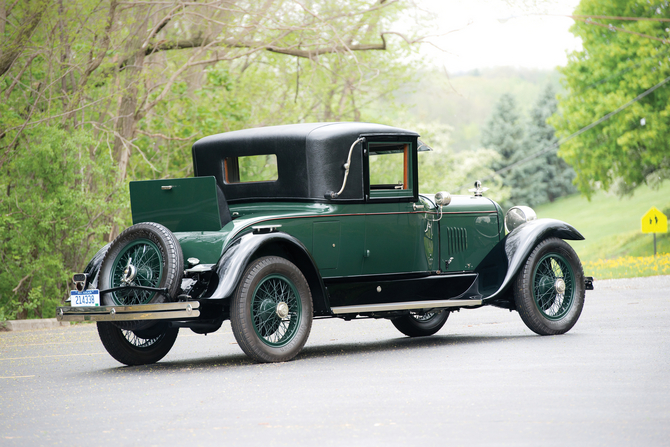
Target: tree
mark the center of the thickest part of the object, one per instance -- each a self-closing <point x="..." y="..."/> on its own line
<point x="110" y="90"/>
<point x="504" y="134"/>
<point x="545" y="177"/>
<point x="530" y="181"/>
<point x="53" y="215"/>
<point x="504" y="131"/>
<point x="620" y="60"/>
<point x="442" y="169"/>
<point x="109" y="65"/>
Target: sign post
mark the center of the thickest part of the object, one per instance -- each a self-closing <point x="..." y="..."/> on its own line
<point x="654" y="221"/>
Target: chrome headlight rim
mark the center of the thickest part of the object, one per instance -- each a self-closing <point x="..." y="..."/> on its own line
<point x="517" y="216"/>
<point x="442" y="198"/>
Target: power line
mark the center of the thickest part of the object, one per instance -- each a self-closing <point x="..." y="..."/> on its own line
<point x="579" y="132"/>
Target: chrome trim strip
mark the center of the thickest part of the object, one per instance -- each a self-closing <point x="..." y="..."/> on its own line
<point x="406" y="305"/>
<point x="163" y="311"/>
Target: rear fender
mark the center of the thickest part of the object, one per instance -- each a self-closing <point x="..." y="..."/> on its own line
<point x="231" y="266"/>
<point x="93" y="267"/>
<point x="520" y="243"/>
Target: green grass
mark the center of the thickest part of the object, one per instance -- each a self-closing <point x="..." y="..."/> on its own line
<point x="611" y="225"/>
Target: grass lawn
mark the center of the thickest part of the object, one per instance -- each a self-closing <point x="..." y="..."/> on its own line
<point x="611" y="225"/>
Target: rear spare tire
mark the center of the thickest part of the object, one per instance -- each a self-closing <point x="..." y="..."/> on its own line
<point x="146" y="254"/>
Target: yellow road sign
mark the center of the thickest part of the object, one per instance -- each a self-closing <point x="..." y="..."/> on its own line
<point x="654" y="221"/>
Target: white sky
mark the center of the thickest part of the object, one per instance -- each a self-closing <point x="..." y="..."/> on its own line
<point x="526" y="40"/>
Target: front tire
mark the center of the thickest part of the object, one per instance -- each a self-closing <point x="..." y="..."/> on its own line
<point x="549" y="290"/>
<point x="271" y="311"/>
<point x="421" y="325"/>
<point x="141" y="347"/>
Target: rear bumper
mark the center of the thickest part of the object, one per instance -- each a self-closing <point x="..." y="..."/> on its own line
<point x="163" y="311"/>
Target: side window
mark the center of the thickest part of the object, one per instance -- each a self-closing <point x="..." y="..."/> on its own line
<point x="390" y="169"/>
<point x="254" y="168"/>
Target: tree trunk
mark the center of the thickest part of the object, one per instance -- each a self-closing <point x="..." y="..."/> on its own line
<point x="10" y="51"/>
<point x="126" y="123"/>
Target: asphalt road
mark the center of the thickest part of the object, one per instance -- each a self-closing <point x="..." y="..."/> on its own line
<point x="484" y="379"/>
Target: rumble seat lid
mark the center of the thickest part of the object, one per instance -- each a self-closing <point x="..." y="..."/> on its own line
<point x="186" y="204"/>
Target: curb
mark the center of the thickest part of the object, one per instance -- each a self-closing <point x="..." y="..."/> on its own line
<point x="29" y="325"/>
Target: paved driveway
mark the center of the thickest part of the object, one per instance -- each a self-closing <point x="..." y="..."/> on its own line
<point x="484" y="379"/>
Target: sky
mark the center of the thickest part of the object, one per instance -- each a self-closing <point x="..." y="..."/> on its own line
<point x="529" y="38"/>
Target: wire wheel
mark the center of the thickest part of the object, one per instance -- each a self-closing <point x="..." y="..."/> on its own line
<point x="553" y="286"/>
<point x="140" y="263"/>
<point x="422" y="316"/>
<point x="148" y="255"/>
<point x="140" y="347"/>
<point x="275" y="310"/>
<point x="549" y="289"/>
<point x="140" y="342"/>
<point x="271" y="312"/>
<point x="420" y="324"/>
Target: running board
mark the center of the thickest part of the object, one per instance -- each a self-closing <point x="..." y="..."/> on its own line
<point x="407" y="305"/>
<point x="162" y="311"/>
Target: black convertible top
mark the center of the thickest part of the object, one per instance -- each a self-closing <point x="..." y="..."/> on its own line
<point x="310" y="158"/>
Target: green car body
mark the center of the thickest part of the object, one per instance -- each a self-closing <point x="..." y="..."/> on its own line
<point x="329" y="213"/>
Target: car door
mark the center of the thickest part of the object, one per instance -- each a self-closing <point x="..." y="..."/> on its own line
<point x="394" y="222"/>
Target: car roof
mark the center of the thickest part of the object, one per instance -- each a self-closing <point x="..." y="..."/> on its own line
<point x="310" y="157"/>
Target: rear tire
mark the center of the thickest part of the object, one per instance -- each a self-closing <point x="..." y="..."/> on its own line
<point x="271" y="311"/>
<point x="421" y="325"/>
<point x="140" y="347"/>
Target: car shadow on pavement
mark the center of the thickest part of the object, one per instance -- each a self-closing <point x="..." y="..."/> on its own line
<point x="402" y="343"/>
<point x="322" y="351"/>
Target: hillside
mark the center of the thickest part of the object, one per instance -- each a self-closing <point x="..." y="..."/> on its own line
<point x="464" y="101"/>
<point x="610" y="224"/>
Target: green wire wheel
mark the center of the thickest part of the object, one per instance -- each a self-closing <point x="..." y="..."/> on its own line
<point x="147" y="255"/>
<point x="276" y="310"/>
<point x="271" y="311"/>
<point x="139" y="263"/>
<point x="549" y="289"/>
<point x="553" y="286"/>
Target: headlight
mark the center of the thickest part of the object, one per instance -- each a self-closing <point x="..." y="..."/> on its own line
<point x="442" y="198"/>
<point x="518" y="215"/>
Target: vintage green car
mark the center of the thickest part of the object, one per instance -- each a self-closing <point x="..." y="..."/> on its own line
<point x="281" y="225"/>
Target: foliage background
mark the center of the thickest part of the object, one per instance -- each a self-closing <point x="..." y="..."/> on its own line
<point x="97" y="93"/>
<point x="620" y="60"/>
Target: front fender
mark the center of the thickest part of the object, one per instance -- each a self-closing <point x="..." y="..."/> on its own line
<point x="233" y="262"/>
<point x="521" y="242"/>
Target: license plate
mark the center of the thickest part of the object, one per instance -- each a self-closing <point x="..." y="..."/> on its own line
<point x="86" y="298"/>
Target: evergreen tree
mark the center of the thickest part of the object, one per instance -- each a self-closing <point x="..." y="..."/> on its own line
<point x="504" y="132"/>
<point x="546" y="177"/>
<point x="541" y="179"/>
